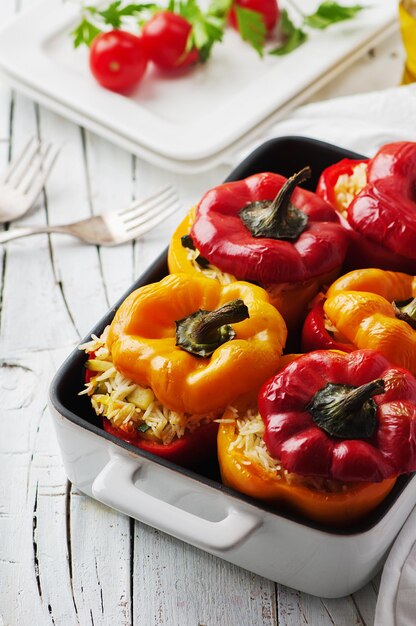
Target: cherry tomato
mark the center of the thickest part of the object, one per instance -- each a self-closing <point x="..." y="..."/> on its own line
<point x="118" y="60"/>
<point x="268" y="9"/>
<point x="165" y="37"/>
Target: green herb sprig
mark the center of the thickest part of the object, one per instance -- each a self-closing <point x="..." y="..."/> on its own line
<point x="208" y="26"/>
<point x="327" y="14"/>
<point x="94" y="21"/>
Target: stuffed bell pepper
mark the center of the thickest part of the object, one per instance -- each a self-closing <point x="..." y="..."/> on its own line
<point x="176" y="354"/>
<point x="377" y="203"/>
<point x="368" y="308"/>
<point x="267" y="230"/>
<point x="330" y="436"/>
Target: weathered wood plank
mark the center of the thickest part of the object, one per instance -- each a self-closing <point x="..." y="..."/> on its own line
<point x="5" y="132"/>
<point x="100" y="568"/>
<point x="31" y="287"/>
<point x="343" y="611"/>
<point x="32" y="511"/>
<point x="300" y="609"/>
<point x="77" y="266"/>
<point x="178" y="585"/>
<point x="100" y="548"/>
<point x="366" y="599"/>
<point x="6" y="107"/>
<point x="111" y="187"/>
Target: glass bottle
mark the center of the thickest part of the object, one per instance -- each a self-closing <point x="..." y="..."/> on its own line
<point x="407" y="16"/>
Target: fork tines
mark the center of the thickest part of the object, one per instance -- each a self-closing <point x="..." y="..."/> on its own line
<point x="151" y="211"/>
<point x="28" y="172"/>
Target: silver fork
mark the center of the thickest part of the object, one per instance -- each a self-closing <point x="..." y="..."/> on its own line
<point x="111" y="228"/>
<point x="24" y="178"/>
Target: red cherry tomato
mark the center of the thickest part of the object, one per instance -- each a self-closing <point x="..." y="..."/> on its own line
<point x="268" y="9"/>
<point x="118" y="60"/>
<point x="165" y="37"/>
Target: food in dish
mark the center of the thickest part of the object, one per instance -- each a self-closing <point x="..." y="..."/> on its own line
<point x="247" y="467"/>
<point x="161" y="385"/>
<point x="268" y="230"/>
<point x="367" y="308"/>
<point x="331" y="434"/>
<point x="377" y="203"/>
<point x="176" y="354"/>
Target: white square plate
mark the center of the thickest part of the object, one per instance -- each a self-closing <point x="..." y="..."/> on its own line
<point x="188" y="121"/>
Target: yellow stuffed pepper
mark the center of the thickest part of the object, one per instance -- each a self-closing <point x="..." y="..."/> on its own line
<point x="368" y="308"/>
<point x="176" y="354"/>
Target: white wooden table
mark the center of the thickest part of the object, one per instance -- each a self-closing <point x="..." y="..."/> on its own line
<point x="64" y="558"/>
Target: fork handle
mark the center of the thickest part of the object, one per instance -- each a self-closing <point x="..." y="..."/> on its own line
<point x="27" y="231"/>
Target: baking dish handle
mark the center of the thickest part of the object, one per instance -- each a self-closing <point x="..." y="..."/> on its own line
<point x="115" y="486"/>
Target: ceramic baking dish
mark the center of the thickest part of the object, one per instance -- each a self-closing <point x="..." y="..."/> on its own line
<point x="193" y="505"/>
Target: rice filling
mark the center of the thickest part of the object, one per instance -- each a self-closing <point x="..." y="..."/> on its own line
<point x="210" y="271"/>
<point x="250" y="443"/>
<point x="130" y="406"/>
<point x="347" y="187"/>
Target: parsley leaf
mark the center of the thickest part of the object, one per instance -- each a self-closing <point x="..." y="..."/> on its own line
<point x="112" y="16"/>
<point x="329" y="13"/>
<point x="143" y="427"/>
<point x="84" y="33"/>
<point x="251" y="27"/>
<point x="294" y="37"/>
<point x="219" y="8"/>
<point x="207" y="28"/>
<point x="114" y="13"/>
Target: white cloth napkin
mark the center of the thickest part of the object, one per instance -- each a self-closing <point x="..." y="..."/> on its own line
<point x="396" y="605"/>
<point x="362" y="123"/>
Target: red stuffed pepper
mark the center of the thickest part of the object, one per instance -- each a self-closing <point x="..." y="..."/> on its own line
<point x="318" y="332"/>
<point x="377" y="203"/>
<point x="267" y="230"/>
<point x="345" y="417"/>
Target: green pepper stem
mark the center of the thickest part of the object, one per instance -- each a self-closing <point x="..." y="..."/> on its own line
<point x="202" y="332"/>
<point x="346" y="412"/>
<point x="356" y="398"/>
<point x="406" y="310"/>
<point x="277" y="219"/>
<point x="278" y="211"/>
<point x="206" y="331"/>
